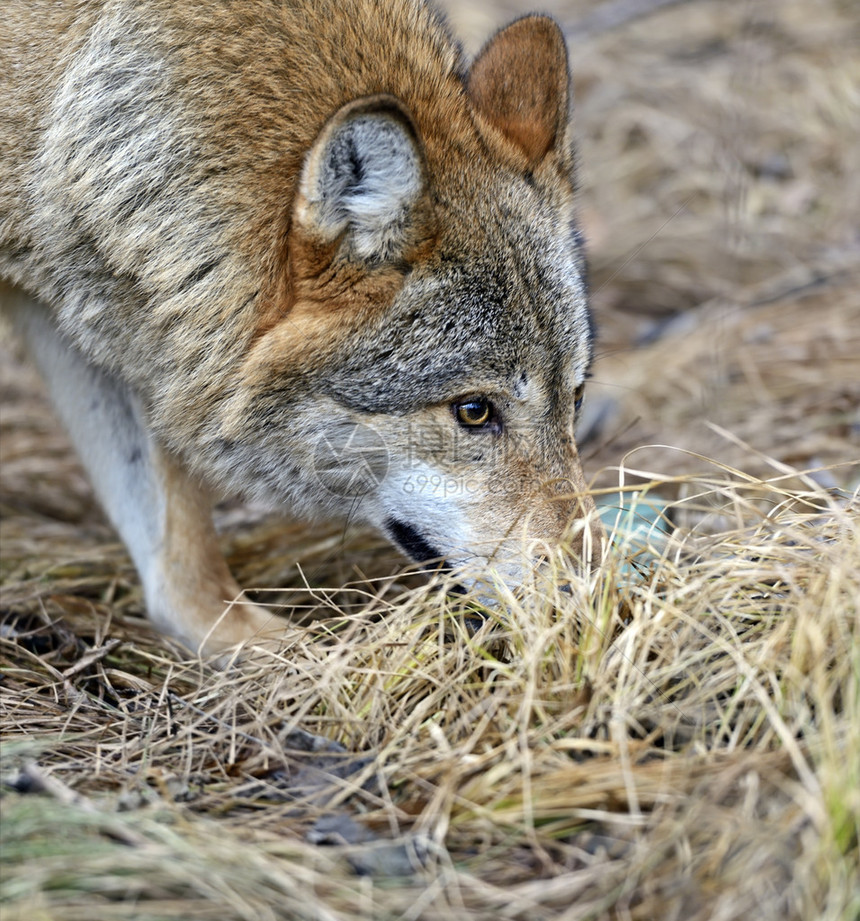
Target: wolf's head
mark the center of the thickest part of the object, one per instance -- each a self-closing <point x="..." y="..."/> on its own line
<point x="438" y="339"/>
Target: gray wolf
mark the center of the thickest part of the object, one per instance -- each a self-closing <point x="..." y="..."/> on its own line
<point x="305" y="252"/>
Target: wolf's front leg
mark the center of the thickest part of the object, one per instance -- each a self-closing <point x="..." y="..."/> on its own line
<point x="161" y="513"/>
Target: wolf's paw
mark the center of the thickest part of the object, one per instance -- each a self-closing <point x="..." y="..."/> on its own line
<point x="246" y="631"/>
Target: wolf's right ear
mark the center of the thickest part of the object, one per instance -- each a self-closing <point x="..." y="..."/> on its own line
<point x="520" y="85"/>
<point x="363" y="179"/>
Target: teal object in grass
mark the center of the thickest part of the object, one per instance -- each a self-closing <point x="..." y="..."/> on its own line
<point x="637" y="526"/>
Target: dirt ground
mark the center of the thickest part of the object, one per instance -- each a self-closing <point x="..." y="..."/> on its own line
<point x="720" y="198"/>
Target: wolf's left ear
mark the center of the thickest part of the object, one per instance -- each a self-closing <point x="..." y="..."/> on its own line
<point x="520" y="84"/>
<point x="362" y="180"/>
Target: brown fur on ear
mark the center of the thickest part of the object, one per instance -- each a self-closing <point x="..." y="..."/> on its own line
<point x="519" y="83"/>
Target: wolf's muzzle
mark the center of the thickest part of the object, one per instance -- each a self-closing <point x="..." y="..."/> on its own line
<point x="411" y="541"/>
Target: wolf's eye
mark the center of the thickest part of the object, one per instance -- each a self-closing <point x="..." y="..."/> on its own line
<point x="578" y="397"/>
<point x="474" y="413"/>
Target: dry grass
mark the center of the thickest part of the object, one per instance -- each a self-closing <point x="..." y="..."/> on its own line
<point x="681" y="743"/>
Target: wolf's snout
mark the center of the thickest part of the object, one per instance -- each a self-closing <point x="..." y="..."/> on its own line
<point x="565" y="517"/>
<point x="412" y="542"/>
